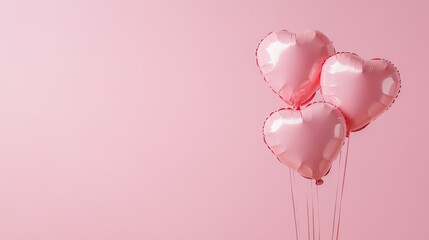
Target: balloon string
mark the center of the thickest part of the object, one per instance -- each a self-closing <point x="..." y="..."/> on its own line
<point x="308" y="219"/>
<point x="342" y="186"/>
<point x="312" y="209"/>
<point x="336" y="196"/>
<point x="318" y="210"/>
<point x="292" y="189"/>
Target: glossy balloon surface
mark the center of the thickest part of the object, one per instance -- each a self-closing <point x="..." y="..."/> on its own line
<point x="306" y="140"/>
<point x="361" y="89"/>
<point x="291" y="63"/>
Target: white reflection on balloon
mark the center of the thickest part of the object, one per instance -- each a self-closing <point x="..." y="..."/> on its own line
<point x="387" y="86"/>
<point x="338" y="130"/>
<point x="278" y="123"/>
<point x="338" y="67"/>
<point x="275" y="49"/>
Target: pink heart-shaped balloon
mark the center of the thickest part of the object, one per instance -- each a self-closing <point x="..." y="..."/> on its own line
<point x="291" y="63"/>
<point x="306" y="140"/>
<point x="361" y="89"/>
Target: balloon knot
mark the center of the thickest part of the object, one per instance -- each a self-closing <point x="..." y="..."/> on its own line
<point x="319" y="182"/>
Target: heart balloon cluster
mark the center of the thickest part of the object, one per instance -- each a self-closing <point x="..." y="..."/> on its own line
<point x="308" y="137"/>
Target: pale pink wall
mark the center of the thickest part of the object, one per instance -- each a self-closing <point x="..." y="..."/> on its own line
<point x="142" y="120"/>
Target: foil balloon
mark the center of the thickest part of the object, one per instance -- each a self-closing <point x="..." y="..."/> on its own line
<point x="306" y="140"/>
<point x="291" y="63"/>
<point x="361" y="89"/>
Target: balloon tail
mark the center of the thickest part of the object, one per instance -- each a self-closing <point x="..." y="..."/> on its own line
<point x="319" y="182"/>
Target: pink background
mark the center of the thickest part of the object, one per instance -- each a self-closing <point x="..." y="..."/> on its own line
<point x="142" y="120"/>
